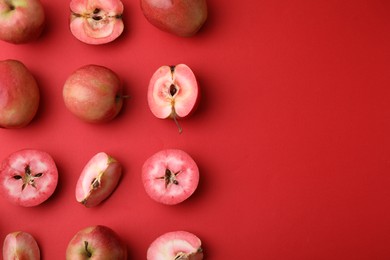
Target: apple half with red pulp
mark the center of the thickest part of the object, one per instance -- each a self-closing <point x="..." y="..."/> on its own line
<point x="170" y="176"/>
<point x="20" y="245"/>
<point x="173" y="92"/>
<point x="96" y="242"/>
<point x="98" y="179"/>
<point x="28" y="177"/>
<point x="96" y="21"/>
<point x="176" y="245"/>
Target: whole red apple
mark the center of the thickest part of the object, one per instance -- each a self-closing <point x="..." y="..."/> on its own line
<point x="19" y="94"/>
<point x="96" y="242"/>
<point x="21" y="21"/>
<point x="93" y="94"/>
<point x="180" y="17"/>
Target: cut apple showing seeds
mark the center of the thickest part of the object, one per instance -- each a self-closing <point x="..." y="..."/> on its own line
<point x="170" y="176"/>
<point x="98" y="179"/>
<point x="28" y="177"/>
<point x="96" y="21"/>
<point x="173" y="92"/>
<point x="174" y="246"/>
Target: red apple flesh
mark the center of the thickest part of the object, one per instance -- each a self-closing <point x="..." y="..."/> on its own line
<point x="176" y="245"/>
<point x="96" y="242"/>
<point x="20" y="245"/>
<point x="19" y="94"/>
<point x="21" y="21"/>
<point x="93" y="94"/>
<point x="28" y="177"/>
<point x="98" y="179"/>
<point x="180" y="17"/>
<point x="173" y="92"/>
<point x="170" y="176"/>
<point x="96" y="21"/>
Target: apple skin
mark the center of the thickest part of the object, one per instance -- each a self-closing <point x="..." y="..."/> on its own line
<point x="173" y="92"/>
<point x="180" y="17"/>
<point x="20" y="245"/>
<point x="93" y="93"/>
<point x="98" y="179"/>
<point x="175" y="245"/>
<point x="96" y="242"/>
<point x="21" y="21"/>
<point x="19" y="95"/>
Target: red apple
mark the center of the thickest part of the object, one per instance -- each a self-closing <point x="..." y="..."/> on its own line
<point x="173" y="92"/>
<point x="96" y="21"/>
<point x="176" y="245"/>
<point x="96" y="242"/>
<point x="180" y="17"/>
<point x="170" y="176"/>
<point x="93" y="94"/>
<point x="98" y="179"/>
<point x="20" y="245"/>
<point x="21" y="21"/>
<point x="19" y="94"/>
<point x="28" y="177"/>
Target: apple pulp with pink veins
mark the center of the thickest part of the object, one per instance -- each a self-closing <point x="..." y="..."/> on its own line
<point x="173" y="92"/>
<point x="98" y="179"/>
<point x="21" y="21"/>
<point x="96" y="242"/>
<point x="93" y="94"/>
<point x="19" y="94"/>
<point x="28" y="177"/>
<point x="170" y="176"/>
<point x="96" y="21"/>
<point x="176" y="245"/>
<point x="180" y="17"/>
<point x="20" y="245"/>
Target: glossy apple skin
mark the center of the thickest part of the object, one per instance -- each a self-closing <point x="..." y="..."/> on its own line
<point x="19" y="95"/>
<point x="28" y="177"/>
<point x="20" y="245"/>
<point x="98" y="179"/>
<point x="175" y="245"/>
<point x="170" y="176"/>
<point x="180" y="17"/>
<point x="96" y="242"/>
<point x="96" y="22"/>
<point x="21" y="21"/>
<point x="93" y="93"/>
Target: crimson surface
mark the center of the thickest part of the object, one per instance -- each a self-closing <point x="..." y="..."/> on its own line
<point x="291" y="134"/>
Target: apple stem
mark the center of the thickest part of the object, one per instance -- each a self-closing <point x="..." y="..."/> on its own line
<point x="178" y="125"/>
<point x="89" y="254"/>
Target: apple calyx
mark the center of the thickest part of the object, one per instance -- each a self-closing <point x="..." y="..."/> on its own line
<point x="173" y="93"/>
<point x="28" y="178"/>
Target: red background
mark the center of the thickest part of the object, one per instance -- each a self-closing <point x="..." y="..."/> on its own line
<point x="291" y="135"/>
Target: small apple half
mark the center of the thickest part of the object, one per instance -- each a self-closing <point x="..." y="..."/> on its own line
<point x="173" y="92"/>
<point x="20" y="245"/>
<point x="176" y="245"/>
<point x="170" y="176"/>
<point x="96" y="242"/>
<point x="98" y="179"/>
<point x="28" y="177"/>
<point x="96" y="22"/>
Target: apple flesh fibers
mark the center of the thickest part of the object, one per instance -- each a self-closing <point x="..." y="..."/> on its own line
<point x="96" y="242"/>
<point x="93" y="94"/>
<point x="19" y="94"/>
<point x="170" y="176"/>
<point x="20" y="245"/>
<point x="173" y="92"/>
<point x="28" y="177"/>
<point x="98" y="179"/>
<point x="21" y="21"/>
<point x="176" y="245"/>
<point x="96" y="21"/>
<point x="180" y="17"/>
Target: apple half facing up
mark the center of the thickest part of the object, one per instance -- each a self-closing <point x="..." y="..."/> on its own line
<point x="20" y="245"/>
<point x="173" y="92"/>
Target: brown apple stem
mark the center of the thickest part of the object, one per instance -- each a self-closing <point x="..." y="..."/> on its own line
<point x="178" y="125"/>
<point x="89" y="254"/>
